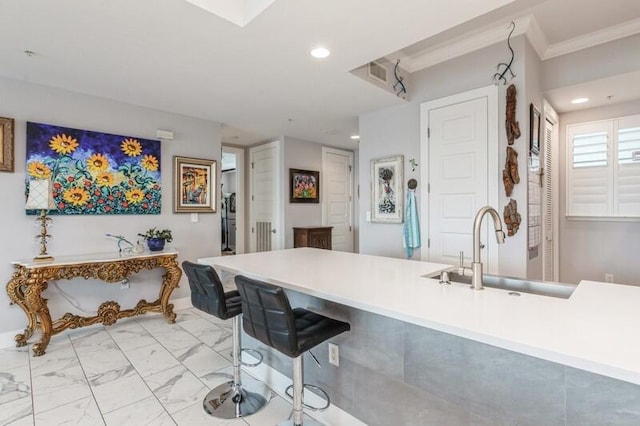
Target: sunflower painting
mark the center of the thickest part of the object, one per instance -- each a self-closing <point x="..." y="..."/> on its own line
<point x="95" y="173"/>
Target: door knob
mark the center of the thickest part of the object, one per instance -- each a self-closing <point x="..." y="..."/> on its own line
<point x="273" y="231"/>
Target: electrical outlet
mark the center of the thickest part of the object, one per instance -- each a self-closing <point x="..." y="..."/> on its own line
<point x="608" y="278"/>
<point x="334" y="354"/>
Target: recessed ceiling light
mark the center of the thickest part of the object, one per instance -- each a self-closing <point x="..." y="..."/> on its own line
<point x="320" y="52"/>
<point x="355" y="137"/>
<point x="577" y="101"/>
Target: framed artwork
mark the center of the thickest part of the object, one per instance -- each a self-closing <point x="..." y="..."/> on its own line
<point x="304" y="186"/>
<point x="6" y="144"/>
<point x="534" y="130"/>
<point x="194" y="185"/>
<point x="95" y="173"/>
<point x="386" y="192"/>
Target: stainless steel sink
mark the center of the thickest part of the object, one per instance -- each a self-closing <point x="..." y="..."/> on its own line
<point x="518" y="285"/>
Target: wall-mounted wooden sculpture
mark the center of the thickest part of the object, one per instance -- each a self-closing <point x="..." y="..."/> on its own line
<point x="513" y="127"/>
<point x="510" y="174"/>
<point x="512" y="218"/>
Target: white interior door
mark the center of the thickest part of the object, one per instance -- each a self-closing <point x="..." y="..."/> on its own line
<point x="337" y="196"/>
<point x="457" y="143"/>
<point x="267" y="228"/>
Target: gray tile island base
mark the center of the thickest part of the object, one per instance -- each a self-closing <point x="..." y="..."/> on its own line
<point x="394" y="373"/>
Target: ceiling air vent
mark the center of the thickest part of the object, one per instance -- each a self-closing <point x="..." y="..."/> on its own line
<point x="378" y="72"/>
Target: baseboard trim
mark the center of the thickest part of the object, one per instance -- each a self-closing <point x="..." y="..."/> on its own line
<point x="181" y="303"/>
<point x="7" y="337"/>
<point x="278" y="382"/>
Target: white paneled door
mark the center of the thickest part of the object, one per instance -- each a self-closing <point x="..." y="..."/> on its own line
<point x="337" y="196"/>
<point x="266" y="225"/>
<point x="457" y="152"/>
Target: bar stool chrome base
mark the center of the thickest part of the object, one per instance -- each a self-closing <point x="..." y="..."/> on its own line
<point x="230" y="401"/>
<point x="237" y="397"/>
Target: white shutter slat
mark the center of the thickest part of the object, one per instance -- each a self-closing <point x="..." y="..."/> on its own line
<point x="590" y="149"/>
<point x="628" y="144"/>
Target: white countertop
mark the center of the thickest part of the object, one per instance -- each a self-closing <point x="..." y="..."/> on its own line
<point x="597" y="329"/>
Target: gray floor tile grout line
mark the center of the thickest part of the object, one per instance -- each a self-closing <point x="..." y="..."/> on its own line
<point x="137" y="372"/>
<point x="84" y="373"/>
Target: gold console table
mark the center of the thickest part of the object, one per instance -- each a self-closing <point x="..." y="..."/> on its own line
<point x="30" y="279"/>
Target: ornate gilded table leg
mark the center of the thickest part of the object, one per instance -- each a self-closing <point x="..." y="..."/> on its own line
<point x="15" y="290"/>
<point x="170" y="281"/>
<point x="36" y="283"/>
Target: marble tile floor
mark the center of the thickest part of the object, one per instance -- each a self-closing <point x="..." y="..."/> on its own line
<point x="139" y="371"/>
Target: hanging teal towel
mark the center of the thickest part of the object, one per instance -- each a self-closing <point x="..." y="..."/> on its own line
<point x="411" y="227"/>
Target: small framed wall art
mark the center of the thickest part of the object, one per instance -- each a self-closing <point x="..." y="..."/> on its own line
<point x="386" y="191"/>
<point x="6" y="144"/>
<point x="534" y="130"/>
<point x="194" y="186"/>
<point x="304" y="186"/>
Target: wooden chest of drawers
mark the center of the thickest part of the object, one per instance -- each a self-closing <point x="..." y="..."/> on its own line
<point x="312" y="236"/>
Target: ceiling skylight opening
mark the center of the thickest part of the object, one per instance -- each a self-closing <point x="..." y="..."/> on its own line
<point x="320" y="52"/>
<point x="578" y="101"/>
<point x="239" y="12"/>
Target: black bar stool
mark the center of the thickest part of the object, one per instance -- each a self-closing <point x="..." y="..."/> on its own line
<point x="232" y="399"/>
<point x="269" y="318"/>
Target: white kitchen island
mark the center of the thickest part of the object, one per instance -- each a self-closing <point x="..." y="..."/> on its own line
<point x="596" y="330"/>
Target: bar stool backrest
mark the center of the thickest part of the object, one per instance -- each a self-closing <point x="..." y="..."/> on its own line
<point x="207" y="293"/>
<point x="267" y="315"/>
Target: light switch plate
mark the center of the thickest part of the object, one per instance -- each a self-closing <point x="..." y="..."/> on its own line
<point x="194" y="217"/>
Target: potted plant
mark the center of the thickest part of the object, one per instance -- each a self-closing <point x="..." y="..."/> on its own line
<point x="156" y="238"/>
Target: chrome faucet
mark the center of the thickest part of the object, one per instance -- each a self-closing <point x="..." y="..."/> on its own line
<point x="476" y="265"/>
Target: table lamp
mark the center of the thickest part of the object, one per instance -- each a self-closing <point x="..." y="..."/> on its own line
<point x="41" y="198"/>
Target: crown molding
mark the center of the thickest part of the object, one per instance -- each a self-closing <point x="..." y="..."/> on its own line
<point x="595" y="38"/>
<point x="467" y="43"/>
<point x="526" y="25"/>
<point x="536" y="36"/>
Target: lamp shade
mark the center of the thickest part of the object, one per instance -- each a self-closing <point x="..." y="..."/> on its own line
<point x="40" y="195"/>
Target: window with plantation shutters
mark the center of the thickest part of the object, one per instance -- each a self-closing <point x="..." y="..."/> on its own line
<point x="590" y="149"/>
<point x="603" y="174"/>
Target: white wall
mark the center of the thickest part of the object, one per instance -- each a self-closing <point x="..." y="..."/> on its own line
<point x="77" y="234"/>
<point x="396" y="130"/>
<point x="305" y="155"/>
<point x="589" y="249"/>
<point x="386" y="132"/>
<point x="533" y="76"/>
